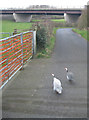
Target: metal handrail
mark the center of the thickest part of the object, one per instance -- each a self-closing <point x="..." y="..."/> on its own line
<point x="5" y="33"/>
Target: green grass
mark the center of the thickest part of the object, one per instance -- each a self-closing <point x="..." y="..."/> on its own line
<point x="58" y="20"/>
<point x="36" y="20"/>
<point x="83" y="33"/>
<point x="9" y="26"/>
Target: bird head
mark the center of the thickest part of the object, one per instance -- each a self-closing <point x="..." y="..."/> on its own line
<point x="66" y="69"/>
<point x="53" y="75"/>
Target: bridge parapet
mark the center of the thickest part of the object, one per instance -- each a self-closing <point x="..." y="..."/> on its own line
<point x="75" y="11"/>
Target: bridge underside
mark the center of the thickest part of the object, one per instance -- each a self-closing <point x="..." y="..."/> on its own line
<point x="71" y="18"/>
<point x="20" y="17"/>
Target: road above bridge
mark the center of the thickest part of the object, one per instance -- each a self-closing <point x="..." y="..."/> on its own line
<point x="30" y="93"/>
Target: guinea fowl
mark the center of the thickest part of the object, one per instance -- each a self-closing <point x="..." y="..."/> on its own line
<point x="57" y="85"/>
<point x="69" y="75"/>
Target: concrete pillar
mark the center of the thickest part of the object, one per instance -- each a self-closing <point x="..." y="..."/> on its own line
<point x="71" y="18"/>
<point x="22" y="17"/>
<point x="34" y="42"/>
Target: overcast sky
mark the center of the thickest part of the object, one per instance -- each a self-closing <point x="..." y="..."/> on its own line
<point x="25" y="3"/>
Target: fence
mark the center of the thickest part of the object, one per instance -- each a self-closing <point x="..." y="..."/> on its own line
<point x="14" y="52"/>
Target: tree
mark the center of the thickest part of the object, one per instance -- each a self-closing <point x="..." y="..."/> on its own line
<point x="82" y="22"/>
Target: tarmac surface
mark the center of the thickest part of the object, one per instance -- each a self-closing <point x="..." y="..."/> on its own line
<point x="29" y="94"/>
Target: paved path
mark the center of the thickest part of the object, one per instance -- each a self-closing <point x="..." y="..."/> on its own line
<point x="30" y="93"/>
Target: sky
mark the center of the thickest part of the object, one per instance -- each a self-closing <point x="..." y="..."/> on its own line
<point x="4" y="4"/>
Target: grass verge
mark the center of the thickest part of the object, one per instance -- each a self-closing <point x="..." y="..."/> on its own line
<point x="83" y="33"/>
<point x="58" y="20"/>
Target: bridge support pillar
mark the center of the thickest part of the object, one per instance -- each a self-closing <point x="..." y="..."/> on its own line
<point x="70" y="18"/>
<point x="22" y="17"/>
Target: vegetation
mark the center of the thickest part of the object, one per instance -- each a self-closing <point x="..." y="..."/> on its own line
<point x="45" y="36"/>
<point x="41" y="37"/>
<point x="63" y="24"/>
<point x="83" y="33"/>
<point x="82" y="25"/>
<point x="58" y="20"/>
<point x="82" y="22"/>
<point x="48" y="48"/>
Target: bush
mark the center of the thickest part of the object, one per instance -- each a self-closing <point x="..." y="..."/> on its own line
<point x="82" y="22"/>
<point x="64" y="24"/>
<point x="41" y="37"/>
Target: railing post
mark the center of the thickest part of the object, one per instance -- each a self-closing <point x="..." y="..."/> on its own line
<point x="15" y="31"/>
<point x="22" y="47"/>
<point x="34" y="42"/>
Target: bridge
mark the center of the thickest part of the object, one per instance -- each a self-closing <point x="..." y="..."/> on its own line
<point x="70" y="15"/>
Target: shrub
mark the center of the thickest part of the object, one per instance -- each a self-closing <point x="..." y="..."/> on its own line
<point x="41" y="37"/>
<point x="82" y="22"/>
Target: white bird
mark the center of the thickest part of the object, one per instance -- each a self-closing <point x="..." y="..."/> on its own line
<point x="57" y="86"/>
<point x="69" y="75"/>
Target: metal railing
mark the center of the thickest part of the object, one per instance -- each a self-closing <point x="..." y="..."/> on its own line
<point x="4" y="33"/>
<point x="14" y="52"/>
